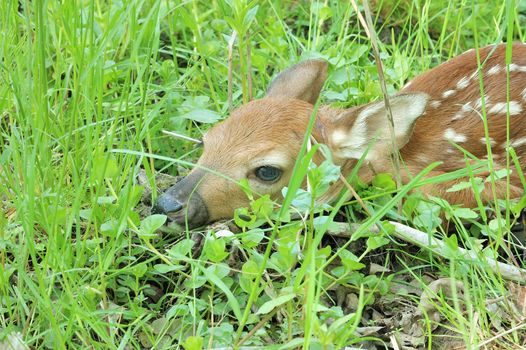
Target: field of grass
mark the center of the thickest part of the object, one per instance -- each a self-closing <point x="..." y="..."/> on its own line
<point x="86" y="87"/>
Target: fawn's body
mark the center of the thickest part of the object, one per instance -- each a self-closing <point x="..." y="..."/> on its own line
<point x="437" y="110"/>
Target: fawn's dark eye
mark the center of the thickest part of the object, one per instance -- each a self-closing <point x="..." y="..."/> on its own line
<point x="268" y="173"/>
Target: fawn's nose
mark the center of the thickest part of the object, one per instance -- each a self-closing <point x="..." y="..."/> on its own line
<point x="166" y="205"/>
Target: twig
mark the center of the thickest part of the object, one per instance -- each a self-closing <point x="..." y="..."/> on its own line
<point x="483" y="344"/>
<point x="438" y="247"/>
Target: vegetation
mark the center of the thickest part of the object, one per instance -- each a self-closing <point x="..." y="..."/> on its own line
<point x="86" y="88"/>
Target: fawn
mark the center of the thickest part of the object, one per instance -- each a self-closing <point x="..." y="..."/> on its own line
<point x="434" y="114"/>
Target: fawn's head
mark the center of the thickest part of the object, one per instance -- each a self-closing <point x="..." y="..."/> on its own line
<point x="260" y="141"/>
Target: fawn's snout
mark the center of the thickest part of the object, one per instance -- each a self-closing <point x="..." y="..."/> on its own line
<point x="182" y="203"/>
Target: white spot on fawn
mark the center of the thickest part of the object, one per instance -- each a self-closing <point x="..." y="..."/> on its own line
<point x="451" y="135"/>
<point x="518" y="142"/>
<point x="422" y="158"/>
<point x="516" y="68"/>
<point x="478" y="102"/>
<point x="458" y="115"/>
<point x="448" y="93"/>
<point x="463" y="83"/>
<point x="450" y="151"/>
<point x="494" y="70"/>
<point x="501" y="107"/>
<point x="491" y="140"/>
<point x="436" y="104"/>
<point x="524" y="94"/>
<point x="467" y="107"/>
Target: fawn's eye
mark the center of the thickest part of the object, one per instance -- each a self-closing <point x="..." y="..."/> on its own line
<point x="268" y="173"/>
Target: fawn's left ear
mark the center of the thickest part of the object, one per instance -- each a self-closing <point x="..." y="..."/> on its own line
<point x="302" y="81"/>
<point x="359" y="129"/>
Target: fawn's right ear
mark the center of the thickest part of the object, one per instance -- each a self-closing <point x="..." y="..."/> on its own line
<point x="302" y="81"/>
<point x="366" y="128"/>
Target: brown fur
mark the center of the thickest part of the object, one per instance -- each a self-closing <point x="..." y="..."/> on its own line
<point x="427" y="137"/>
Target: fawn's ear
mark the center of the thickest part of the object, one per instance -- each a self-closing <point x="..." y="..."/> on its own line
<point x="367" y="128"/>
<point x="302" y="81"/>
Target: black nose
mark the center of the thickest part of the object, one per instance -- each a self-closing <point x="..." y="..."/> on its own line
<point x="166" y="204"/>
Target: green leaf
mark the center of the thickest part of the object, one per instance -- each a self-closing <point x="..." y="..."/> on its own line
<point x="202" y="116"/>
<point x="494" y="226"/>
<point x="163" y="268"/>
<point x="232" y="300"/>
<point x="271" y="304"/>
<point x="451" y="242"/>
<point x="499" y="174"/>
<point x="105" y="200"/>
<point x="193" y="343"/>
<point x="243" y="218"/>
<point x="196" y="281"/>
<point x="85" y="214"/>
<point x="182" y="249"/>
<point x="340" y="322"/>
<point x="134" y="217"/>
<point x="350" y="261"/>
<point x="302" y="199"/>
<point x="252" y="238"/>
<point x="465" y="213"/>
<point x="263" y="206"/>
<point x="521" y="204"/>
<point x="249" y="16"/>
<point x="384" y="181"/>
<point x="377" y="241"/>
<point x="104" y="166"/>
<point x="110" y="227"/>
<point x="150" y="224"/>
<point x="249" y="271"/>
<point x="220" y="270"/>
<point x="250" y="268"/>
<point x="467" y="185"/>
<point x="139" y="270"/>
<point x="214" y="249"/>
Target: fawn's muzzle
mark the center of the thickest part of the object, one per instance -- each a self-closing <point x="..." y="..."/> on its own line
<point x="182" y="203"/>
<point x="166" y="205"/>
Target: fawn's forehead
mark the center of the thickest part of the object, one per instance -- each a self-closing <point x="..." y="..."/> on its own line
<point x="260" y="121"/>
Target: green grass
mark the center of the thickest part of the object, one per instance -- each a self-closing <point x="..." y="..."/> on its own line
<point x="86" y="88"/>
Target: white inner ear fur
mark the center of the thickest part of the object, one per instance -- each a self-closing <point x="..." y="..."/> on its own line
<point x="371" y="126"/>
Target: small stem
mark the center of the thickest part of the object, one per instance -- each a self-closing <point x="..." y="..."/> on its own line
<point x="249" y="68"/>
<point x="230" y="69"/>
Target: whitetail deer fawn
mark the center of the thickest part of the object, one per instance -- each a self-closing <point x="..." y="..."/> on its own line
<point x="436" y="110"/>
